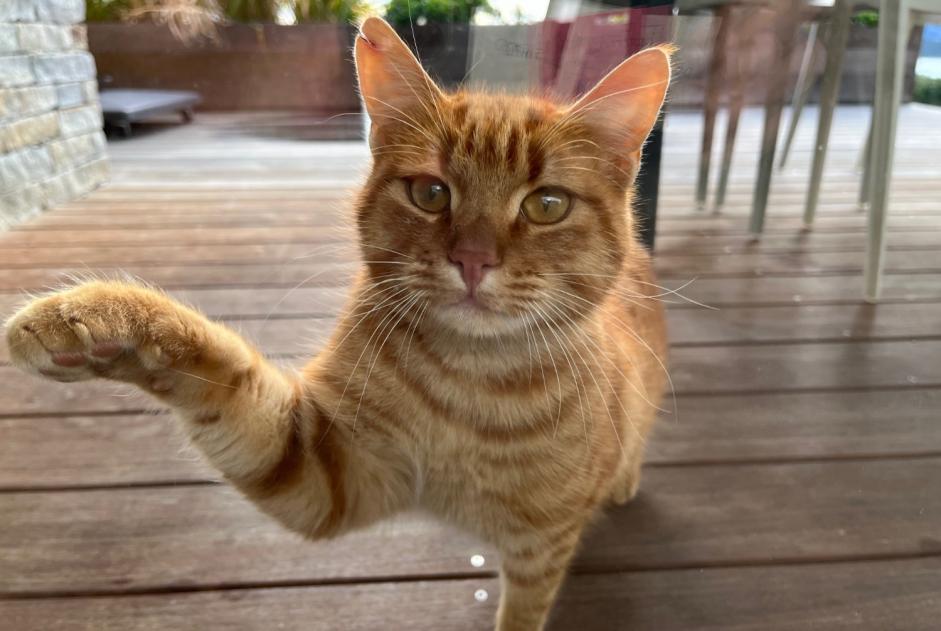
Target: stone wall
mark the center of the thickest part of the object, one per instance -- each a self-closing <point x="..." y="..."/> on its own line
<point x="52" y="148"/>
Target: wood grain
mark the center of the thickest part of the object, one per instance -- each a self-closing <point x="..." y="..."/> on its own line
<point x="162" y="538"/>
<point x="894" y="596"/>
<point x="81" y="451"/>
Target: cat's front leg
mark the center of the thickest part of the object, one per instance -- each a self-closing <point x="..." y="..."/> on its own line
<point x="262" y="428"/>
<point x="534" y="566"/>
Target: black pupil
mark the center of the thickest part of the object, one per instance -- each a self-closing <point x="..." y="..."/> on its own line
<point x="434" y="191"/>
<point x="548" y="201"/>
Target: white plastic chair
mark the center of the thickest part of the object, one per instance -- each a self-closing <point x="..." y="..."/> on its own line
<point x="896" y="18"/>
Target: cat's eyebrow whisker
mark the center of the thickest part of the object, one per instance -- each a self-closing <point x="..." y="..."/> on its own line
<point x="576" y="168"/>
<point x="594" y="103"/>
<point x="407" y="123"/>
<point x="398" y="152"/>
<point x="409" y="120"/>
<point x="578" y="141"/>
<point x="395" y="145"/>
<point x="567" y="158"/>
<point x="428" y="85"/>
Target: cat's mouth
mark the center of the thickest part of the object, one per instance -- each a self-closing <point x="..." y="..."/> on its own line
<point x="472" y="303"/>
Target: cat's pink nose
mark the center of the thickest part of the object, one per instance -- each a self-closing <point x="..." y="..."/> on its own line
<point x="474" y="263"/>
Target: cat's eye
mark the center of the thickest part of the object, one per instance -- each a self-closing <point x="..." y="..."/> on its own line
<point x="546" y="205"/>
<point x="429" y="193"/>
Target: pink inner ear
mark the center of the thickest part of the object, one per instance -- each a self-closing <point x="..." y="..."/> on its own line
<point x="626" y="102"/>
<point x="390" y="78"/>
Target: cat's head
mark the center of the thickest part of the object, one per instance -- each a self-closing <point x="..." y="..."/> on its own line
<point x="495" y="209"/>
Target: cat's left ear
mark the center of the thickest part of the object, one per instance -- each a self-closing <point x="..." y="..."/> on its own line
<point x="625" y="103"/>
<point x="391" y="81"/>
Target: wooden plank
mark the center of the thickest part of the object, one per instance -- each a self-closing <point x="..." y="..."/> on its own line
<point x="239" y="303"/>
<point x="291" y="332"/>
<point x="841" y="287"/>
<point x="790" y="289"/>
<point x="696" y="370"/>
<point x="803" y="323"/>
<point x="339" y="215"/>
<point x="318" y="214"/>
<point x="668" y="244"/>
<point x="96" y="450"/>
<point x="277" y="275"/>
<point x="147" y="449"/>
<point x="417" y="606"/>
<point x="667" y="265"/>
<point x="798" y="426"/>
<point x="897" y="595"/>
<point x="871" y="595"/>
<point x="189" y="236"/>
<point x="790" y="263"/>
<point x="167" y="538"/>
<point x="770" y="368"/>
<point x="180" y="254"/>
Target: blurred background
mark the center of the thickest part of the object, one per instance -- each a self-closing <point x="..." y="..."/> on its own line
<point x="792" y="198"/>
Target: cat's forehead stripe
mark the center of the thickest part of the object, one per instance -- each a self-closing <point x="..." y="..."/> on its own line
<point x="499" y="132"/>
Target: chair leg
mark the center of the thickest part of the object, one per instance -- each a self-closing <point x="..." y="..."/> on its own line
<point x="711" y="102"/>
<point x="866" y="157"/>
<point x="735" y="77"/>
<point x="786" y="27"/>
<point x="736" y="102"/>
<point x="893" y="40"/>
<point x="805" y="82"/>
<point x="829" y="94"/>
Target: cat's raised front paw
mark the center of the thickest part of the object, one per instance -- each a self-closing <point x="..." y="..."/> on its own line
<point x="99" y="329"/>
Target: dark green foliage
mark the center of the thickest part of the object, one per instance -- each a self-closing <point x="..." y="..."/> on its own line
<point x="927" y="90"/>
<point x="105" y="10"/>
<point x="404" y="12"/>
<point x="867" y="18"/>
<point x="236" y="10"/>
<point x="250" y="10"/>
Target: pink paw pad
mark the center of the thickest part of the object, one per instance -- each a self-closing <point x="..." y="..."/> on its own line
<point x="106" y="350"/>
<point x="68" y="360"/>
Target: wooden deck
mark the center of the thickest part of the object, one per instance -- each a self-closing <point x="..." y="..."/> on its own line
<point x="796" y="488"/>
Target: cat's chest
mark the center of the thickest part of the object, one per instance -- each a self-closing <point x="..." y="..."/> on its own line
<point x="469" y="478"/>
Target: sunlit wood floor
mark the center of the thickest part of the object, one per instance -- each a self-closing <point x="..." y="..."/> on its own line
<point x="797" y="486"/>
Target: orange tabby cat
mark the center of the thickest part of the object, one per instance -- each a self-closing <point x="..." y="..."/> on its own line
<point x="501" y="357"/>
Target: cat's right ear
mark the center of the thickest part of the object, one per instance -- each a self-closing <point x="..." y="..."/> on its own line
<point x="391" y="81"/>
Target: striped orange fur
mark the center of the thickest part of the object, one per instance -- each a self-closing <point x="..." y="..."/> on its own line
<point x="513" y="403"/>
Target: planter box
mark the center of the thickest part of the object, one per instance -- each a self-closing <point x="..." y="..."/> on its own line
<point x="251" y="67"/>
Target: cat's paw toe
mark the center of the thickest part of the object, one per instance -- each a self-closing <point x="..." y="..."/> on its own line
<point x="46" y="338"/>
